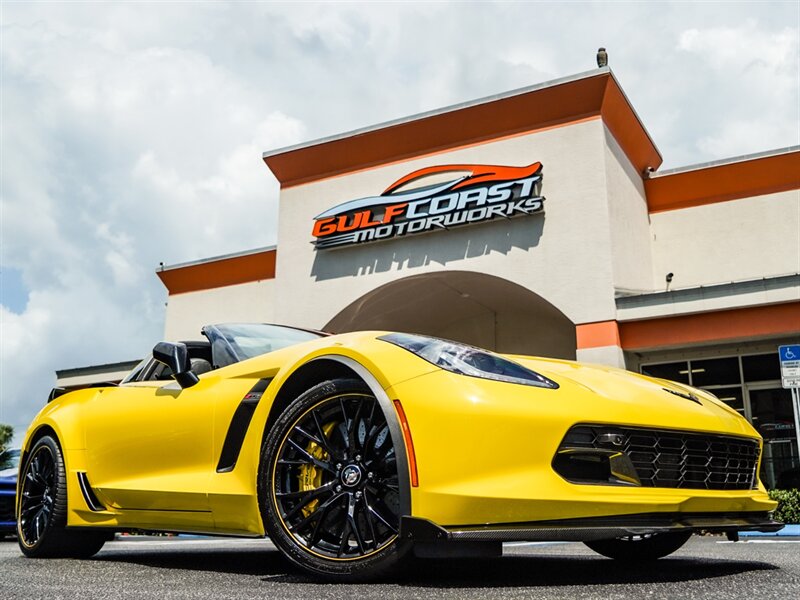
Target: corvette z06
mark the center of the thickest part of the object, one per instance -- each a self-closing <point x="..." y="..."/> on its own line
<point x="353" y="451"/>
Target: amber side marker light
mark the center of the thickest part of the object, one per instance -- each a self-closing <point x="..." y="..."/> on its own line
<point x="412" y="458"/>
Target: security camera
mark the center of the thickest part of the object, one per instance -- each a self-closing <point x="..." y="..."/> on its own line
<point x="669" y="277"/>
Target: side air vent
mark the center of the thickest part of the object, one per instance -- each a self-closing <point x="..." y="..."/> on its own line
<point x="88" y="495"/>
<point x="238" y="426"/>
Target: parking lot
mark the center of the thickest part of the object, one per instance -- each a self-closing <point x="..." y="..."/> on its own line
<point x="164" y="568"/>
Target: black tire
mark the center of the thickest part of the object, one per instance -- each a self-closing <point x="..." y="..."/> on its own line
<point x="641" y="548"/>
<point x="328" y="485"/>
<point x="42" y="508"/>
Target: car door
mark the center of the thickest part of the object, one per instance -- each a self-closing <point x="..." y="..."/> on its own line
<point x="149" y="444"/>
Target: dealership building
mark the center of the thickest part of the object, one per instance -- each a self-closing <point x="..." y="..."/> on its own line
<point x="535" y="221"/>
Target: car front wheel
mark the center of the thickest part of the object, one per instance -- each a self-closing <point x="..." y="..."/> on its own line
<point x="640" y="548"/>
<point x="42" y="508"/>
<point x="328" y="483"/>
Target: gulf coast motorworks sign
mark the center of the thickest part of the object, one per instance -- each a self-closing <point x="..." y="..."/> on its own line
<point x="474" y="193"/>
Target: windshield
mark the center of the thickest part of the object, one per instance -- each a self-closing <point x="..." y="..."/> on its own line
<point x="234" y="342"/>
<point x="135" y="371"/>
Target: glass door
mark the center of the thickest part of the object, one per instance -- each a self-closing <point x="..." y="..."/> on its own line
<point x="772" y="414"/>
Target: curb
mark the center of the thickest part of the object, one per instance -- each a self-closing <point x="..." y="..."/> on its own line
<point x="787" y="531"/>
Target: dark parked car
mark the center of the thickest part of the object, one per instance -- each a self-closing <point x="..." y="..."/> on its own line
<point x="9" y="463"/>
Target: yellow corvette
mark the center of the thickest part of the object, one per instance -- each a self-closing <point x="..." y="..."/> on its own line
<point x="351" y="451"/>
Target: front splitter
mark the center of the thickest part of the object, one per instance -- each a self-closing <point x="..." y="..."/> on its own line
<point x="588" y="529"/>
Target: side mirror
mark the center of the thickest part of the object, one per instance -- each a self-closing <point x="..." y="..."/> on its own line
<point x="176" y="357"/>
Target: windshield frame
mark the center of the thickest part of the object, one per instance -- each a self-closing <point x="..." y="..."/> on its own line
<point x="226" y="352"/>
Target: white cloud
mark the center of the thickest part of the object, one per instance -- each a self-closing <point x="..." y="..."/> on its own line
<point x="744" y="47"/>
<point x="754" y="74"/>
<point x="132" y="133"/>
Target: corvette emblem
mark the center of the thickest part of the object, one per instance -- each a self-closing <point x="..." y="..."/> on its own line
<point x="351" y="475"/>
<point x="686" y="395"/>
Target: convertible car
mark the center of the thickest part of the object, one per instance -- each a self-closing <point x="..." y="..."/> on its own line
<point x="353" y="451"/>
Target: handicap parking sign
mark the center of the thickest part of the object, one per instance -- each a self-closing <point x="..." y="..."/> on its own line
<point x="790" y="365"/>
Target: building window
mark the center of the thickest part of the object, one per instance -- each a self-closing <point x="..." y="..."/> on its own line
<point x="678" y="371"/>
<point x="750" y="385"/>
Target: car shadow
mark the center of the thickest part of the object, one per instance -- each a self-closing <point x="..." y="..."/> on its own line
<point x="267" y="562"/>
<point x="507" y="571"/>
<point x="569" y="570"/>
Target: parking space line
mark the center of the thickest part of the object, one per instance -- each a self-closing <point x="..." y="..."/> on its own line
<point x="520" y="544"/>
<point x="762" y="542"/>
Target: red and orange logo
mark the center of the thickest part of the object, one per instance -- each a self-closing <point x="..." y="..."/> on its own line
<point x="478" y="193"/>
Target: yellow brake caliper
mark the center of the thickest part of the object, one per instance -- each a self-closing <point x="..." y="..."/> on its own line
<point x="309" y="476"/>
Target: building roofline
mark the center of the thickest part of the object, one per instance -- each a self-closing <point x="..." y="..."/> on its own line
<point x="247" y="266"/>
<point x="437" y="111"/>
<point x="747" y="176"/>
<point x="725" y="161"/>
<point x="525" y="110"/>
<point x="211" y="259"/>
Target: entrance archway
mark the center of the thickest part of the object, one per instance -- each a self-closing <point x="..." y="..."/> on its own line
<point x="474" y="308"/>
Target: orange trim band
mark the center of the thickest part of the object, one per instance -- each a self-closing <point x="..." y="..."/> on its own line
<point x="720" y="326"/>
<point x="412" y="457"/>
<point x="442" y="151"/>
<point x="623" y="123"/>
<point x="756" y="177"/>
<point x="597" y="335"/>
<point x="220" y="273"/>
<point x="561" y="104"/>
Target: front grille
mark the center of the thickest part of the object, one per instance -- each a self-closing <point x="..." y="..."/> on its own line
<point x="675" y="459"/>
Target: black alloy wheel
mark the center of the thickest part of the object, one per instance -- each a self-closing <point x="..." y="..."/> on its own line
<point x="42" y="508"/>
<point x="37" y="495"/>
<point x="329" y="485"/>
<point x="641" y="548"/>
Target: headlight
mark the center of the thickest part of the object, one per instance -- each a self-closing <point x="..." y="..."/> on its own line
<point x="468" y="360"/>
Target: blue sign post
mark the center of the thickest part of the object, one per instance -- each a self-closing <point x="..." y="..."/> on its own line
<point x="790" y="365"/>
<point x="790" y="378"/>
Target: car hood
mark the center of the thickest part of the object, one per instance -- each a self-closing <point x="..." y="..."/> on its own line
<point x="627" y="391"/>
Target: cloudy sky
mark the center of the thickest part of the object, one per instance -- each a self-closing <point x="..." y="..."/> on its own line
<point x="132" y="132"/>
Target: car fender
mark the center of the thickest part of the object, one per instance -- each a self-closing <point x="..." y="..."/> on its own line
<point x="392" y="419"/>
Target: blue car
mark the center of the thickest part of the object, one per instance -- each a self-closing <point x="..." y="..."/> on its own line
<point x="9" y="465"/>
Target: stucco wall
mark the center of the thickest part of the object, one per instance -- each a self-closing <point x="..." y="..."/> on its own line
<point x="740" y="239"/>
<point x="628" y="220"/>
<point x="564" y="255"/>
<point x="246" y="302"/>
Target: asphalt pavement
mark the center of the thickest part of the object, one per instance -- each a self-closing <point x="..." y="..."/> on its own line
<point x="220" y="568"/>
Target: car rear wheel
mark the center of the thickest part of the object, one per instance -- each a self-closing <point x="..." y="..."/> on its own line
<point x="42" y="508"/>
<point x="639" y="548"/>
<point x="328" y="483"/>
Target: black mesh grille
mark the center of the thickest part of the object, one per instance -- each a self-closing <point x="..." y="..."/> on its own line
<point x="676" y="459"/>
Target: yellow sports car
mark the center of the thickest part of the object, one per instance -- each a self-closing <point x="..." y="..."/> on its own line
<point x="352" y="451"/>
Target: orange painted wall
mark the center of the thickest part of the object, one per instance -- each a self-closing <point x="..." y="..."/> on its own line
<point x="726" y="182"/>
<point x="219" y="273"/>
<point x="710" y="327"/>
